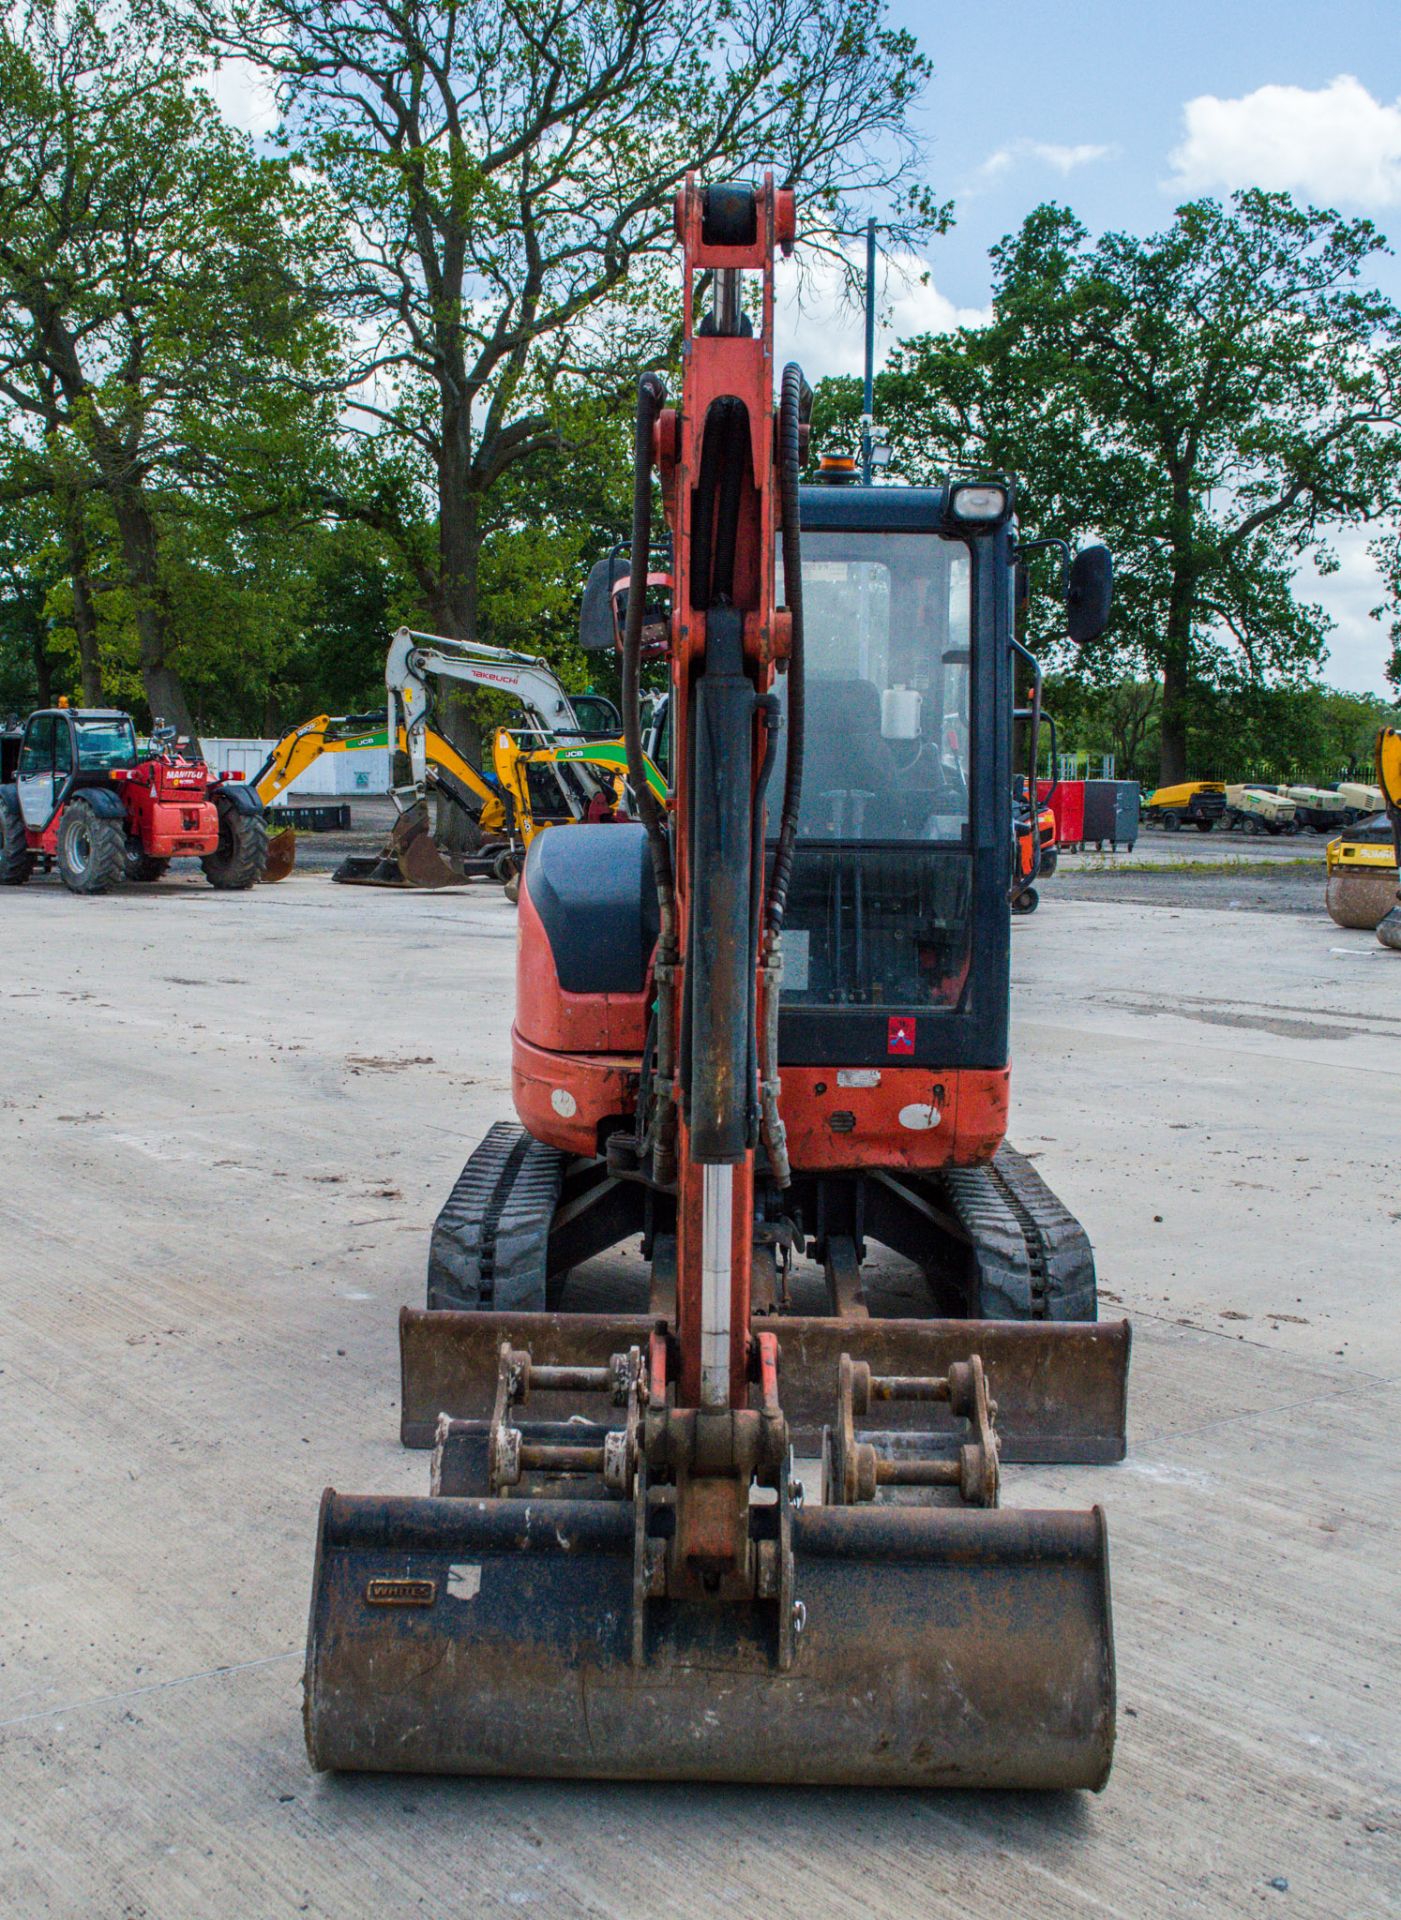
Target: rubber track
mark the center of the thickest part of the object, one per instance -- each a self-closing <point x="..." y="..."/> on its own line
<point x="491" y="1238"/>
<point x="1033" y="1257"/>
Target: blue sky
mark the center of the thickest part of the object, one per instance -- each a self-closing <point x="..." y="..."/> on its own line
<point x="1082" y="74"/>
<point x="1122" y="111"/>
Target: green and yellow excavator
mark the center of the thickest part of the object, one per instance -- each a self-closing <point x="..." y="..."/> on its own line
<point x="301" y="746"/>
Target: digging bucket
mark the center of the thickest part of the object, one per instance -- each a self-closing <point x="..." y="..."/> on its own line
<point x="282" y="855"/>
<point x="938" y="1647"/>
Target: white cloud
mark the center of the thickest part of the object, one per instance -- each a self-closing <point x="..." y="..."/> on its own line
<point x="819" y="326"/>
<point x="1334" y="144"/>
<point x="1358" y="647"/>
<point x="244" y="95"/>
<point x="1063" y="160"/>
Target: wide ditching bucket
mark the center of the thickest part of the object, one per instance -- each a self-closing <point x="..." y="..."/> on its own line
<point x="938" y="1648"/>
<point x="906" y="1631"/>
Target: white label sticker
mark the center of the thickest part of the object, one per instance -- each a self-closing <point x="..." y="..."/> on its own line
<point x="564" y="1103"/>
<point x="919" y="1119"/>
<point x="465" y="1582"/>
<point x="795" y="960"/>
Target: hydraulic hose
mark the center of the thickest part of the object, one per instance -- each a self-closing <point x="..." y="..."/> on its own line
<point x="795" y="397"/>
<point x="651" y="396"/>
<point x="769" y="723"/>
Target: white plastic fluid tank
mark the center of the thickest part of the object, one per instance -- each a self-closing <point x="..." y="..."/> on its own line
<point x="899" y="713"/>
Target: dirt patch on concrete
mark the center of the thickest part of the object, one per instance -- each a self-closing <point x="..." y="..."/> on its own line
<point x="1264" y="886"/>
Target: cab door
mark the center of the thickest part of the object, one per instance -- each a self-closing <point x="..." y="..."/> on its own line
<point x="36" y="780"/>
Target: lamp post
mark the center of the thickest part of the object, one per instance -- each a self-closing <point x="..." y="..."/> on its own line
<point x="868" y="396"/>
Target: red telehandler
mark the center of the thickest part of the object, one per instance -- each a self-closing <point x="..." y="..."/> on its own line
<point x="83" y="797"/>
<point x="766" y="1021"/>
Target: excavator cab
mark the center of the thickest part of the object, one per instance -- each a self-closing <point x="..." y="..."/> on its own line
<point x="752" y="1529"/>
<point x="886" y="881"/>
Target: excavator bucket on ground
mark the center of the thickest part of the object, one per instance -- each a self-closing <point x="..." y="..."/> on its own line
<point x="518" y="1619"/>
<point x="937" y="1648"/>
<point x="282" y="855"/>
<point x="421" y="861"/>
<point x="413" y="858"/>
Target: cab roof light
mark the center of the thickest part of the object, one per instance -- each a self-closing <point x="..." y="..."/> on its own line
<point x="836" y="469"/>
<point x="979" y="503"/>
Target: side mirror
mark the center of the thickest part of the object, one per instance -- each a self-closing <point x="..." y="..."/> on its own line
<point x="596" y="632"/>
<point x="1089" y="594"/>
<point x="603" y="611"/>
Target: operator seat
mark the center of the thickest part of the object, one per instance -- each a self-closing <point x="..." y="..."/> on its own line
<point x="845" y="753"/>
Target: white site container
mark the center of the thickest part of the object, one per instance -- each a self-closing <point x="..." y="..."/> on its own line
<point x="333" y="776"/>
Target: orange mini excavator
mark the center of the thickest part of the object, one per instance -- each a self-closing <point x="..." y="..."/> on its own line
<point x="760" y="1028"/>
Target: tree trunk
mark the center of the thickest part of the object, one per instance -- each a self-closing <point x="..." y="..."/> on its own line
<point x="459" y="528"/>
<point x="43" y="666"/>
<point x="164" y="692"/>
<point x="84" y="613"/>
<point x="1172" y="743"/>
<point x="1177" y="663"/>
<point x="459" y="554"/>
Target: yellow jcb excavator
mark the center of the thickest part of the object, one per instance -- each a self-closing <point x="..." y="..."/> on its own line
<point x="301" y="746"/>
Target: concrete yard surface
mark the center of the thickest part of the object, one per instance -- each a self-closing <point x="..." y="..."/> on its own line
<point x="227" y="1123"/>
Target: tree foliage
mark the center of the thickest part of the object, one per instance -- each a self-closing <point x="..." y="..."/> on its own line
<point x="1215" y="401"/>
<point x="504" y="175"/>
<point x="158" y="330"/>
<point x="1271" y="733"/>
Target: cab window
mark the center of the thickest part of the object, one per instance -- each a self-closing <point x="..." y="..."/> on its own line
<point x="104" y="744"/>
<point x="879" y="908"/>
<point x="596" y="713"/>
<point x="37" y="753"/>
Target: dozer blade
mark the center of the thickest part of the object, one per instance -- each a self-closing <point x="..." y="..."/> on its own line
<point x="282" y="855"/>
<point x="421" y="860"/>
<point x="1061" y="1386"/>
<point x="939" y="1647"/>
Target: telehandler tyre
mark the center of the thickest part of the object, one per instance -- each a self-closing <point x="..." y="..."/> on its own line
<point x="242" y="856"/>
<point x="91" y="850"/>
<point x="16" y="861"/>
<point x="143" y="866"/>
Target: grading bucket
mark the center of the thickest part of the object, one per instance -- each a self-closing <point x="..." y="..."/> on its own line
<point x="938" y="1647"/>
